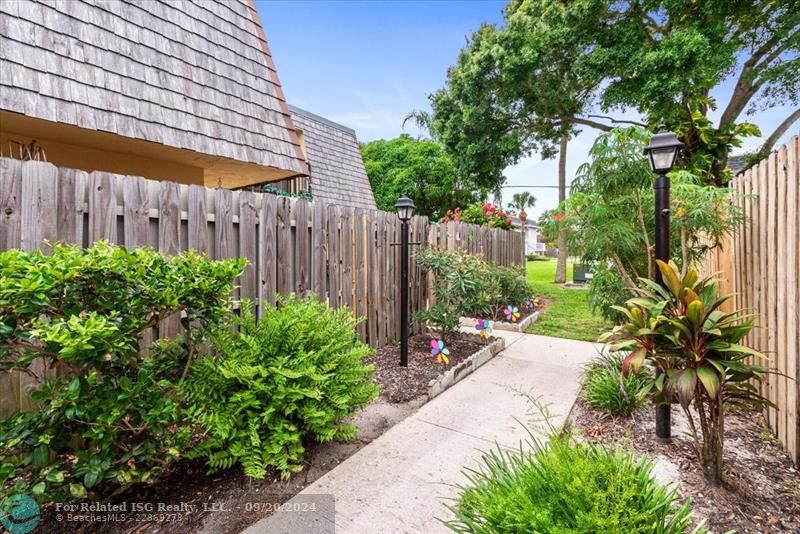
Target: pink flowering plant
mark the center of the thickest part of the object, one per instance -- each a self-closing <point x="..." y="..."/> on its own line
<point x="486" y="214"/>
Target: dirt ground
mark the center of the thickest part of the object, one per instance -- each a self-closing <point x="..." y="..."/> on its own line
<point x="400" y="384"/>
<point x="222" y="503"/>
<point x="761" y="492"/>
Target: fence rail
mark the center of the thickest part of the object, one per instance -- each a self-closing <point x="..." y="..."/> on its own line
<point x="761" y="264"/>
<point x="343" y="254"/>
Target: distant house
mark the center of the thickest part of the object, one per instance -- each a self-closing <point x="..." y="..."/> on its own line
<point x="533" y="242"/>
<point x="181" y="91"/>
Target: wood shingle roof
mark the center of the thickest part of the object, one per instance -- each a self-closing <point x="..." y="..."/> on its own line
<point x="192" y="75"/>
<point x="337" y="169"/>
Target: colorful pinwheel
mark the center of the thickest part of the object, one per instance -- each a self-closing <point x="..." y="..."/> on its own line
<point x="530" y="304"/>
<point x="484" y="328"/>
<point x="511" y="313"/>
<point x="440" y="351"/>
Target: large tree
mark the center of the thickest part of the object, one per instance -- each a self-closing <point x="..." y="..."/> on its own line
<point x="556" y="67"/>
<point x="514" y="91"/>
<point x="418" y="167"/>
<point x="668" y="59"/>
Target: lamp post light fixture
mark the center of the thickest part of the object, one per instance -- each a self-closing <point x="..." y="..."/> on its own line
<point x="662" y="153"/>
<point x="405" y="209"/>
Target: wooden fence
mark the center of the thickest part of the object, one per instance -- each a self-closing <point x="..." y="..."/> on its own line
<point x="761" y="264"/>
<point x="345" y="255"/>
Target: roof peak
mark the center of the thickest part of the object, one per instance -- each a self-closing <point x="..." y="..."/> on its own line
<point x="314" y="116"/>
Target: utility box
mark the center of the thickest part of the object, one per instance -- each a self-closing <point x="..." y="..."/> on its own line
<point x="581" y="273"/>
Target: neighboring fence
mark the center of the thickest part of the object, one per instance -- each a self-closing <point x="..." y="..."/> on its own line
<point x="761" y="264"/>
<point x="343" y="254"/>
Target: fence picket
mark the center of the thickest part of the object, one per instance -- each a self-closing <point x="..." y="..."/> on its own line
<point x="268" y="251"/>
<point x="248" y="243"/>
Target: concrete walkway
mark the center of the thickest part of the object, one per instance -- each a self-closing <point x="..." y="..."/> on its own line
<point x="402" y="481"/>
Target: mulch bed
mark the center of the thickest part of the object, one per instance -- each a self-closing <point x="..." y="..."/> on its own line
<point x="761" y="492"/>
<point x="402" y="384"/>
<point x="225" y="499"/>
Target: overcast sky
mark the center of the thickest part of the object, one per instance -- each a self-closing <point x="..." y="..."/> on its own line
<point x="366" y="64"/>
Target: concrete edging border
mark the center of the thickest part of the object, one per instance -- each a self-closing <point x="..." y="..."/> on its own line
<point x="508" y="327"/>
<point x="465" y="368"/>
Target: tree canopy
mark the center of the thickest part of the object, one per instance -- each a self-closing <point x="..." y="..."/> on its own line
<point x="418" y="167"/>
<point x="519" y="88"/>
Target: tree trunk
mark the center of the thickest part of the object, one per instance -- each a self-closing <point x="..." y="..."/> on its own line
<point x="561" y="240"/>
<point x="713" y="438"/>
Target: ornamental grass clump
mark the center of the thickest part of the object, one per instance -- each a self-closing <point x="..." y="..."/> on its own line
<point x="568" y="487"/>
<point x="681" y="331"/>
<point x="272" y="385"/>
<point x="107" y="414"/>
<point x="608" y="390"/>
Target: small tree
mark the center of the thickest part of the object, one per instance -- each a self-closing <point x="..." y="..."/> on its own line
<point x="609" y="218"/>
<point x="683" y="333"/>
<point x="520" y="201"/>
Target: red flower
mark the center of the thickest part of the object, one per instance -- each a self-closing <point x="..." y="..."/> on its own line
<point x="558" y="217"/>
<point x="508" y="220"/>
<point x="501" y="214"/>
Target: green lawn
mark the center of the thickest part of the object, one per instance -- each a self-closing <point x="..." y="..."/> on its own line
<point x="567" y="314"/>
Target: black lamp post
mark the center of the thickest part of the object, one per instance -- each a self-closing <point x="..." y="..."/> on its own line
<point x="405" y="208"/>
<point x="662" y="152"/>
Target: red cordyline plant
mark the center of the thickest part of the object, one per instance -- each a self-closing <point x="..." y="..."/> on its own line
<point x="681" y="331"/>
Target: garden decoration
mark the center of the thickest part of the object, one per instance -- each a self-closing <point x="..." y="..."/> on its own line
<point x="484" y="328"/>
<point x="530" y="304"/>
<point x="441" y="352"/>
<point x="511" y="313"/>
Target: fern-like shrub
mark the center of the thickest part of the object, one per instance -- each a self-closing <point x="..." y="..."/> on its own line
<point x="566" y="486"/>
<point x="607" y="389"/>
<point x="294" y="374"/>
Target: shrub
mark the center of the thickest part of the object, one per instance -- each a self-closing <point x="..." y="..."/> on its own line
<point x="537" y="257"/>
<point x="486" y="214"/>
<point x="607" y="290"/>
<point x="514" y="289"/>
<point x="565" y="486"/>
<point x="293" y="375"/>
<point x="468" y="285"/>
<point x="682" y="332"/>
<point x="106" y="414"/>
<point x="605" y="387"/>
<point x="460" y="284"/>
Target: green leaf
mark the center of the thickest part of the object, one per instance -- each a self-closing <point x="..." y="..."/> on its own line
<point x="710" y="381"/>
<point x="39" y="488"/>
<point x="695" y="312"/>
<point x="684" y="384"/>
<point x="41" y="455"/>
<point x="91" y="478"/>
<point x="77" y="491"/>
<point x="670" y="277"/>
<point x="55" y="476"/>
